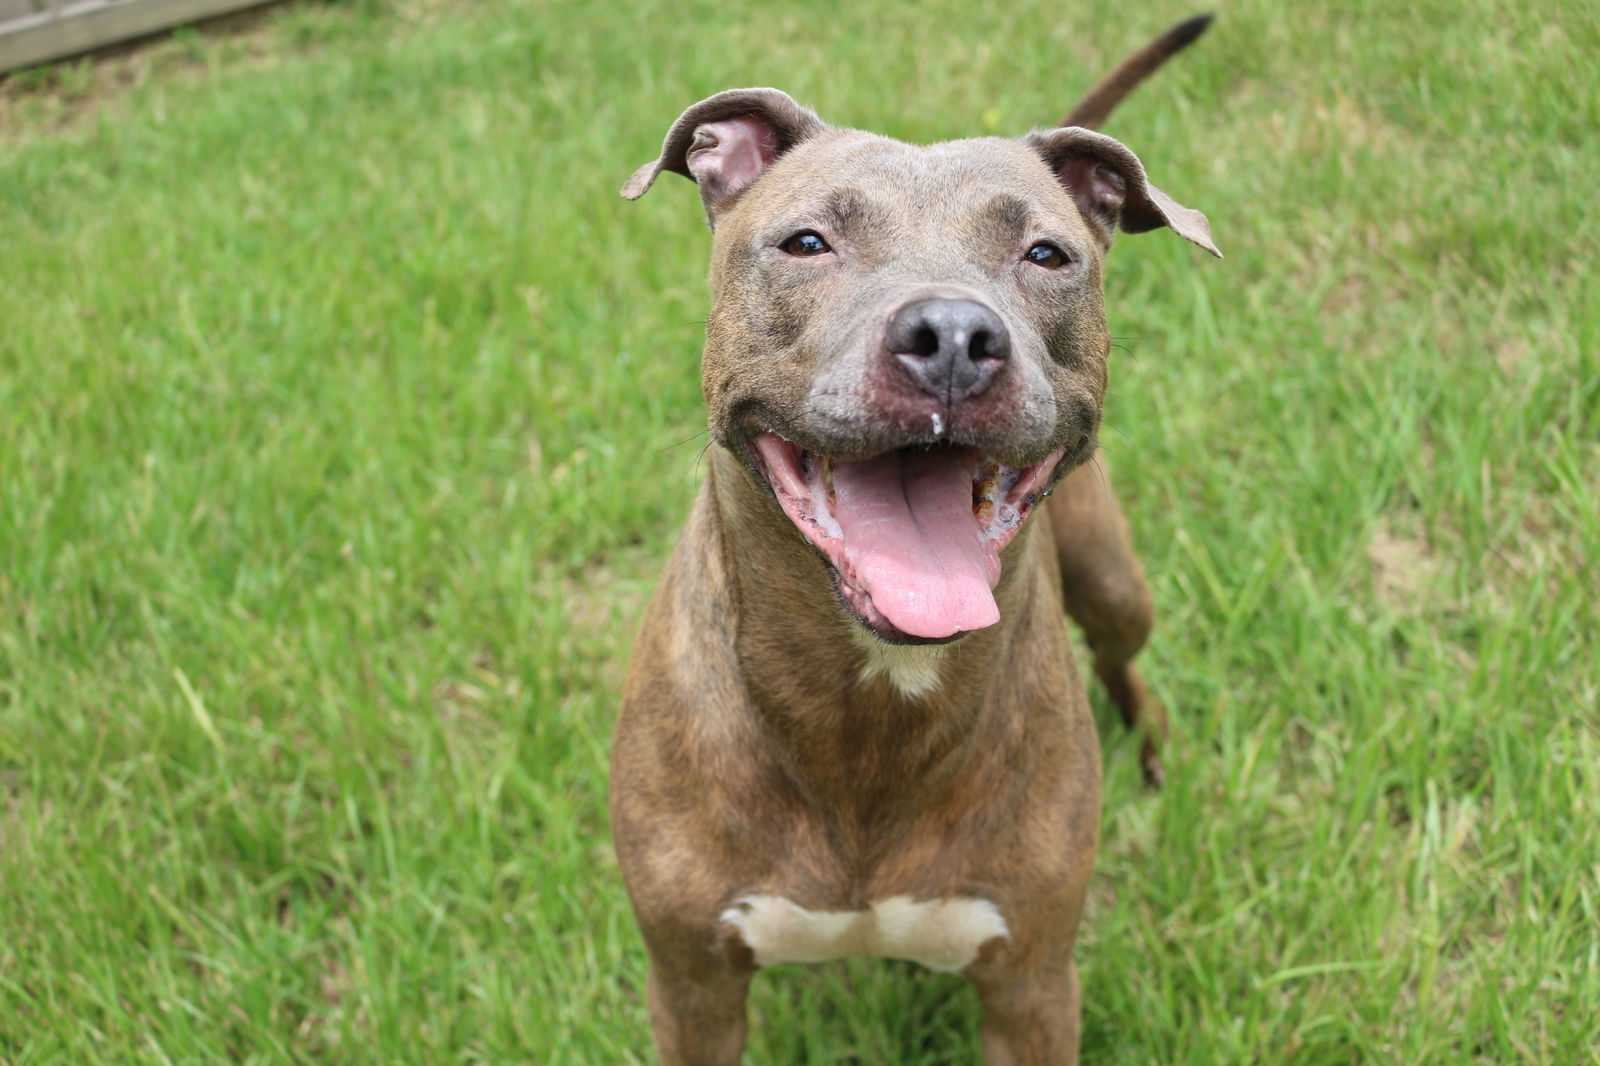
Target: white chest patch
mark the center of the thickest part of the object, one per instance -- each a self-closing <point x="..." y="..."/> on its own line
<point x="942" y="934"/>
<point x="911" y="668"/>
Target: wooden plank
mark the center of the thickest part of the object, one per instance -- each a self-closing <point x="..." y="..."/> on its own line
<point x="89" y="24"/>
<point x="15" y="9"/>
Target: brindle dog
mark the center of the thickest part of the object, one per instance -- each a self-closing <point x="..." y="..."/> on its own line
<point x="853" y="724"/>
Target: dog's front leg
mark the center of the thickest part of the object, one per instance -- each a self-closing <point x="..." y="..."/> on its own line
<point x="1029" y="1019"/>
<point x="698" y="1017"/>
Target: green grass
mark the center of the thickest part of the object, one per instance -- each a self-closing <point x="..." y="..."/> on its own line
<point x="347" y="414"/>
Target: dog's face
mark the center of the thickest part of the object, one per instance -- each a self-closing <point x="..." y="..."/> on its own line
<point x="907" y="345"/>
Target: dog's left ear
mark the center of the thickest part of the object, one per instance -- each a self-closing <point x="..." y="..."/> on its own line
<point x="724" y="142"/>
<point x="1108" y="183"/>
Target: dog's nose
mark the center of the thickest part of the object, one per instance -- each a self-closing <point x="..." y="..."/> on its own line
<point x="950" y="348"/>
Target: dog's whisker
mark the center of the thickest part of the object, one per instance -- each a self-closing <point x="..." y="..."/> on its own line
<point x="681" y="443"/>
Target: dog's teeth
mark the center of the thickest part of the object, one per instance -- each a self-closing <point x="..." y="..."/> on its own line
<point x="938" y="425"/>
<point x="987" y="481"/>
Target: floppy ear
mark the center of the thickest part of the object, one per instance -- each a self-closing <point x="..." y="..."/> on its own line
<point x="724" y="142"/>
<point x="1108" y="183"/>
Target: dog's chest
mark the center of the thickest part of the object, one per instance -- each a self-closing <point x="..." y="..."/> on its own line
<point x="942" y="935"/>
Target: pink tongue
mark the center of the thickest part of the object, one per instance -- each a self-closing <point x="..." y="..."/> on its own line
<point x="912" y="542"/>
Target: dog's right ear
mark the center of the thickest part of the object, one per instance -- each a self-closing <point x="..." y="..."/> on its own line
<point x="724" y="142"/>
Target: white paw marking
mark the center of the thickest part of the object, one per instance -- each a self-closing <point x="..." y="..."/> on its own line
<point x="941" y="934"/>
<point x="911" y="668"/>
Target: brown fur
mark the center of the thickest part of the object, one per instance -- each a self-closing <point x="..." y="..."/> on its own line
<point x="752" y="753"/>
<point x="733" y="776"/>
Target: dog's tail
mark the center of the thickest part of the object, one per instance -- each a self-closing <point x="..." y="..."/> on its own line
<point x="1098" y="103"/>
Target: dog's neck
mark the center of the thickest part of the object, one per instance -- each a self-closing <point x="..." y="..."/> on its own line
<point x="870" y="731"/>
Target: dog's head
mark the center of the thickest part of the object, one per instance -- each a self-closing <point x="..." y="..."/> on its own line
<point x="907" y="344"/>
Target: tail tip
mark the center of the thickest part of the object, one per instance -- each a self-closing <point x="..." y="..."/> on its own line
<point x="1186" y="31"/>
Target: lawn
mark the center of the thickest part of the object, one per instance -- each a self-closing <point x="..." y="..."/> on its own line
<point x="347" y="415"/>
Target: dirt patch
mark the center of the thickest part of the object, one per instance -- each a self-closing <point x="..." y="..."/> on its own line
<point x="605" y="605"/>
<point x="467" y="703"/>
<point x="1404" y="567"/>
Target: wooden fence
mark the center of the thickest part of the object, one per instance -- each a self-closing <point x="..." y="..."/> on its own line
<point x="35" y="31"/>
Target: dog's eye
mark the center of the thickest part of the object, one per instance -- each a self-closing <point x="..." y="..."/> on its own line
<point x="1046" y="255"/>
<point x="805" y="243"/>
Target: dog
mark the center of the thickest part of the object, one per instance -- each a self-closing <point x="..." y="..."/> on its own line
<point x="852" y="724"/>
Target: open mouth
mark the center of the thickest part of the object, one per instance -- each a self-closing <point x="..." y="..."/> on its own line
<point x="913" y="535"/>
